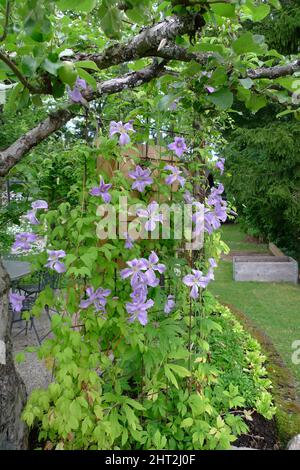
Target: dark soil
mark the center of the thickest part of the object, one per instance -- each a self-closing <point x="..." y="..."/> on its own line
<point x="262" y="434"/>
<point x="257" y="241"/>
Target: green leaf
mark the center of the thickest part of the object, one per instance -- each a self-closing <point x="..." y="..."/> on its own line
<point x="110" y="20"/>
<point x="246" y="83"/>
<point x="20" y="357"/>
<point x="87" y="77"/>
<point x="255" y="13"/>
<point x="179" y="370"/>
<point x="246" y="43"/>
<point x="124" y="437"/>
<point x="51" y="67"/>
<point x="276" y="4"/>
<point x="135" y="404"/>
<point x="219" y="77"/>
<point x="170" y="376"/>
<point x="223" y="9"/>
<point x="256" y="102"/>
<point x="78" y="5"/>
<point x="73" y="422"/>
<point x="29" y="65"/>
<point x="75" y="409"/>
<point x="13" y="96"/>
<point x="87" y="64"/>
<point x="130" y="416"/>
<point x="187" y="423"/>
<point x="222" y="98"/>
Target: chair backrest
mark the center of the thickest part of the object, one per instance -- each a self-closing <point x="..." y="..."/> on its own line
<point x="48" y="278"/>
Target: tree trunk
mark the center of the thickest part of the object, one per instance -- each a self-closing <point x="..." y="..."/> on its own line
<point x="13" y="432"/>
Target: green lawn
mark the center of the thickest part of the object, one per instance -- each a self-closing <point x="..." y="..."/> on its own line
<point x="274" y="308"/>
<point x="237" y="240"/>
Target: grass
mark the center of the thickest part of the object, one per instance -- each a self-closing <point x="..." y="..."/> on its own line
<point x="237" y="240"/>
<point x="272" y="307"/>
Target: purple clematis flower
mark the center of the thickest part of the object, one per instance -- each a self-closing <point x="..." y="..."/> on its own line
<point x="122" y="129"/>
<point x="188" y="197"/>
<point x="75" y="94"/>
<point x="53" y="261"/>
<point x="178" y="146"/>
<point x="210" y="89"/>
<point x="220" y="165"/>
<point x="215" y="195"/>
<point x="23" y="241"/>
<point x="174" y="176"/>
<point x="129" y="241"/>
<point x="211" y="221"/>
<point x="134" y="271"/>
<point x="16" y="301"/>
<point x="152" y="216"/>
<point x="170" y="304"/>
<point x="102" y="191"/>
<point x="139" y="293"/>
<point x="31" y="217"/>
<point x="150" y="266"/>
<point x="138" y="311"/>
<point x="96" y="298"/>
<point x="173" y="106"/>
<point x="195" y="281"/>
<point x="212" y="262"/>
<point x="39" y="204"/>
<point x="142" y="178"/>
<point x="221" y="212"/>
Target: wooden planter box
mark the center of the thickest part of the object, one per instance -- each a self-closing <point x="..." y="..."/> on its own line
<point x="265" y="269"/>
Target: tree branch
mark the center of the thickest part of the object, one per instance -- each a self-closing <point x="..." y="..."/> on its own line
<point x="15" y="152"/>
<point x="146" y="43"/>
<point x="34" y="90"/>
<point x="275" y="72"/>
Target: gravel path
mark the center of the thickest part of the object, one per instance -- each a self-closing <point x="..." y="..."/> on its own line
<point x="33" y="372"/>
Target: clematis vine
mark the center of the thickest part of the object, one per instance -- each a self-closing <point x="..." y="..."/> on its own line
<point x="178" y="146"/>
<point x="141" y="177"/>
<point x="97" y="298"/>
<point x="152" y="215"/>
<point x="102" y="191"/>
<point x="122" y="129"/>
<point x="24" y="241"/>
<point x="53" y="261"/>
<point x="75" y="93"/>
<point x="174" y="176"/>
<point x="16" y="301"/>
<point x="170" y="304"/>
